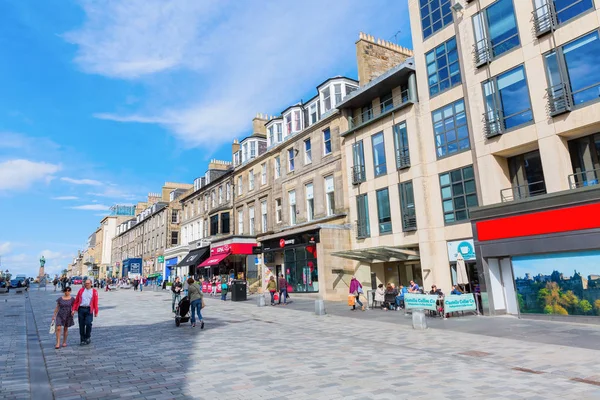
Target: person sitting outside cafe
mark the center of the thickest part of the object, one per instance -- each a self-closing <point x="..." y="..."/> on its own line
<point x="400" y="298"/>
<point x="435" y="290"/>
<point x="380" y="295"/>
<point x="390" y="297"/>
<point x="413" y="288"/>
<point x="440" y="302"/>
<point x="456" y="290"/>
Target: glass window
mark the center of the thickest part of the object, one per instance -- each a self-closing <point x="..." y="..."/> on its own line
<point x="310" y="202"/>
<point x="292" y="201"/>
<point x="383" y="211"/>
<point x="263" y="174"/>
<point x="443" y="68"/>
<point x="278" y="210"/>
<point x="214" y="225"/>
<point x="386" y="102"/>
<point x="327" y="99"/>
<point x="407" y="206"/>
<point x="450" y="129"/>
<point x="279" y="133"/>
<point x="251" y="228"/>
<point x="288" y="124"/>
<point x="220" y="197"/>
<point x="240" y="221"/>
<point x="240" y="186"/>
<point x="363" y="229"/>
<point x="576" y="65"/>
<point x="277" y="165"/>
<point x="495" y="30"/>
<point x="567" y="9"/>
<point x="458" y="194"/>
<point x="366" y="113"/>
<point x="378" y="154"/>
<point x="313" y="113"/>
<point x="263" y="213"/>
<point x="435" y="14"/>
<point x="271" y="135"/>
<point x="327" y="141"/>
<point x="252" y="149"/>
<point x="224" y="222"/>
<point x="507" y="100"/>
<point x="290" y="160"/>
<point x="526" y="176"/>
<point x="337" y="89"/>
<point x="251" y="180"/>
<point x="585" y="159"/>
<point x="228" y="191"/>
<point x="358" y="168"/>
<point x="174" y="238"/>
<point x="307" y="152"/>
<point x="401" y="145"/>
<point x="297" y="121"/>
<point x="329" y="195"/>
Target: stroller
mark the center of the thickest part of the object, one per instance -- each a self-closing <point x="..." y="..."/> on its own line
<point x="182" y="311"/>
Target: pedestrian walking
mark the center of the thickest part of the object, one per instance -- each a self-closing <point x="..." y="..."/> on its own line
<point x="86" y="306"/>
<point x="55" y="282"/>
<point x="176" y="289"/>
<point x="356" y="290"/>
<point x="224" y="288"/>
<point x="195" y="296"/>
<point x="272" y="288"/>
<point x="63" y="316"/>
<point x="213" y="284"/>
<point x="282" y="289"/>
<point x="186" y="286"/>
<point x="141" y="284"/>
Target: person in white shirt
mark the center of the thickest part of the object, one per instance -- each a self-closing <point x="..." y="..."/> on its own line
<point x="86" y="306"/>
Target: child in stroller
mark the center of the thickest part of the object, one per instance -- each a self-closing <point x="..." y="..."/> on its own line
<point x="182" y="311"/>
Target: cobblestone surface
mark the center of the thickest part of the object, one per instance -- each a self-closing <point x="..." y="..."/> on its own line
<point x="250" y="352"/>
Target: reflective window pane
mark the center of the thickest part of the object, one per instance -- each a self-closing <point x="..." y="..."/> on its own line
<point x="449" y="123"/>
<point x="502" y="27"/>
<point x="442" y="63"/>
<point x="459" y="195"/>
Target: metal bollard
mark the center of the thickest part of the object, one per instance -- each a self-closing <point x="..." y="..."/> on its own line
<point x="419" y="321"/>
<point x="320" y="307"/>
<point x="260" y="300"/>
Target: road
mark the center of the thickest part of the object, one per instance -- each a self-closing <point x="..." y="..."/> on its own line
<point x="250" y="352"/>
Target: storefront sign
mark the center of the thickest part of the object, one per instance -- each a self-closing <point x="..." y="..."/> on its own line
<point x="283" y="242"/>
<point x="463" y="302"/>
<point x="171" y="262"/>
<point x="135" y="268"/>
<point x="233" y="248"/>
<point x="420" y="301"/>
<point x="463" y="247"/>
<point x="161" y="259"/>
<point x="301" y="239"/>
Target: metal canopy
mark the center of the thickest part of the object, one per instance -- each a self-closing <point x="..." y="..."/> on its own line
<point x="380" y="254"/>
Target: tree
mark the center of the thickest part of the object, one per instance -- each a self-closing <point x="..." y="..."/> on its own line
<point x="521" y="302"/>
<point x="559" y="310"/>
<point x="569" y="301"/>
<point x="585" y="306"/>
<point x="597" y="307"/>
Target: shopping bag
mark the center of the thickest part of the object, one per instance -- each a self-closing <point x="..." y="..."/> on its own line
<point x="52" y="327"/>
<point x="276" y="297"/>
<point x="202" y="306"/>
<point x="351" y="300"/>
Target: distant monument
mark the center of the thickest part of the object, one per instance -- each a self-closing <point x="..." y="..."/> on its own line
<point x="42" y="274"/>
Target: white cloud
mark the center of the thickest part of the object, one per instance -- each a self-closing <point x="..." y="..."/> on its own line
<point x="53" y="255"/>
<point x="5" y="247"/>
<point x="92" y="207"/>
<point x="213" y="66"/>
<point x="113" y="192"/>
<point x="22" y="174"/>
<point x="65" y="198"/>
<point x="90" y="182"/>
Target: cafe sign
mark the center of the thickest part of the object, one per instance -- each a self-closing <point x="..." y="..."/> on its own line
<point x="463" y="247"/>
<point x="420" y="301"/>
<point x="463" y="302"/>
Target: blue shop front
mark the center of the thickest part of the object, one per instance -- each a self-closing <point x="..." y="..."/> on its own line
<point x="132" y="267"/>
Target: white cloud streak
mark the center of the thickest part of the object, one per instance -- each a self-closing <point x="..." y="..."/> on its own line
<point x="222" y="62"/>
<point x="22" y="174"/>
<point x="5" y="247"/>
<point x="65" y="198"/>
<point x="92" y="207"/>
<point x="89" y="182"/>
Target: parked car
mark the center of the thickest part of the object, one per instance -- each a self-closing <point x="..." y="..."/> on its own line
<point x="76" y="280"/>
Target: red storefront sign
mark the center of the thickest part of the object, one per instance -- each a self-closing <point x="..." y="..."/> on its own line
<point x="540" y="223"/>
<point x="233" y="248"/>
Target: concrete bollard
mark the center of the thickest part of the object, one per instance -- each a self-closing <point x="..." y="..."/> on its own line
<point x="419" y="321"/>
<point x="260" y="300"/>
<point x="320" y="307"/>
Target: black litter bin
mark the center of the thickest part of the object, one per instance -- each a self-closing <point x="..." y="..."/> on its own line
<point x="238" y="290"/>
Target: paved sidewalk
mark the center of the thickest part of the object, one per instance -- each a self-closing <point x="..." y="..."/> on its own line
<point x="250" y="352"/>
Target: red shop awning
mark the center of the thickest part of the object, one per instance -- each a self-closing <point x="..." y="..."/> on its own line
<point x="213" y="260"/>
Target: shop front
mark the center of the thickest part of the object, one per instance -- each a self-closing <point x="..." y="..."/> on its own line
<point x="541" y="258"/>
<point x="463" y="265"/>
<point x="192" y="260"/>
<point x="132" y="268"/>
<point x="170" y="265"/>
<point x="233" y="257"/>
<point x="296" y="257"/>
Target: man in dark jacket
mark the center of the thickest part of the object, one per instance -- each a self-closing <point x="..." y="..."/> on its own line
<point x="282" y="289"/>
<point x="176" y="289"/>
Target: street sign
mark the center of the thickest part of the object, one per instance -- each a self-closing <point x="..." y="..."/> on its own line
<point x="161" y="259"/>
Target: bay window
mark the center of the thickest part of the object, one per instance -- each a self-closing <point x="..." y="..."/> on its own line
<point x="495" y="31"/>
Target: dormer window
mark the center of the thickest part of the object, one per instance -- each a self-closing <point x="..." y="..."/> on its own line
<point x="337" y="89"/>
<point x="297" y="121"/>
<point x="327" y="99"/>
<point x="244" y="152"/>
<point x="279" y="132"/>
<point x="253" y="149"/>
<point x="288" y="124"/>
<point x="271" y="135"/>
<point x="313" y="113"/>
<point x="237" y="158"/>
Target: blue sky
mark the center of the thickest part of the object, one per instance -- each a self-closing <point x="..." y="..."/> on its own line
<point x="104" y="101"/>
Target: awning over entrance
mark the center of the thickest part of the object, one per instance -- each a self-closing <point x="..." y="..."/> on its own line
<point x="214" y="260"/>
<point x="380" y="254"/>
<point x="194" y="257"/>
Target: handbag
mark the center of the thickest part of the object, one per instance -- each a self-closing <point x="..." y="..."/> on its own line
<point x="52" y="327"/>
<point x="360" y="290"/>
<point x="276" y="297"/>
<point x="202" y="306"/>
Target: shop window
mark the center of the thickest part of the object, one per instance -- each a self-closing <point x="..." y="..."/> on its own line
<point x="443" y="68"/>
<point x="379" y="163"/>
<point x="495" y="31"/>
<point x="506" y="101"/>
<point x="458" y="194"/>
<point x="301" y="270"/>
<point x="214" y="225"/>
<point x="450" y="129"/>
<point x="573" y="76"/>
<point x="225" y="222"/>
<point x="383" y="211"/>
<point x="435" y="14"/>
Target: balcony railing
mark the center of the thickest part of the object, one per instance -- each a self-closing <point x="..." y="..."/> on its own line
<point x="493" y="124"/>
<point x="523" y="191"/>
<point x="362" y="229"/>
<point x="396" y="101"/>
<point x="560" y="99"/>
<point x="482" y="52"/>
<point x="402" y="158"/>
<point x="584" y="178"/>
<point x="409" y="221"/>
<point x="544" y="19"/>
<point x="358" y="174"/>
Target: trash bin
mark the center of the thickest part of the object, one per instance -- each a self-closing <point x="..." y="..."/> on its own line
<point x="238" y="290"/>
